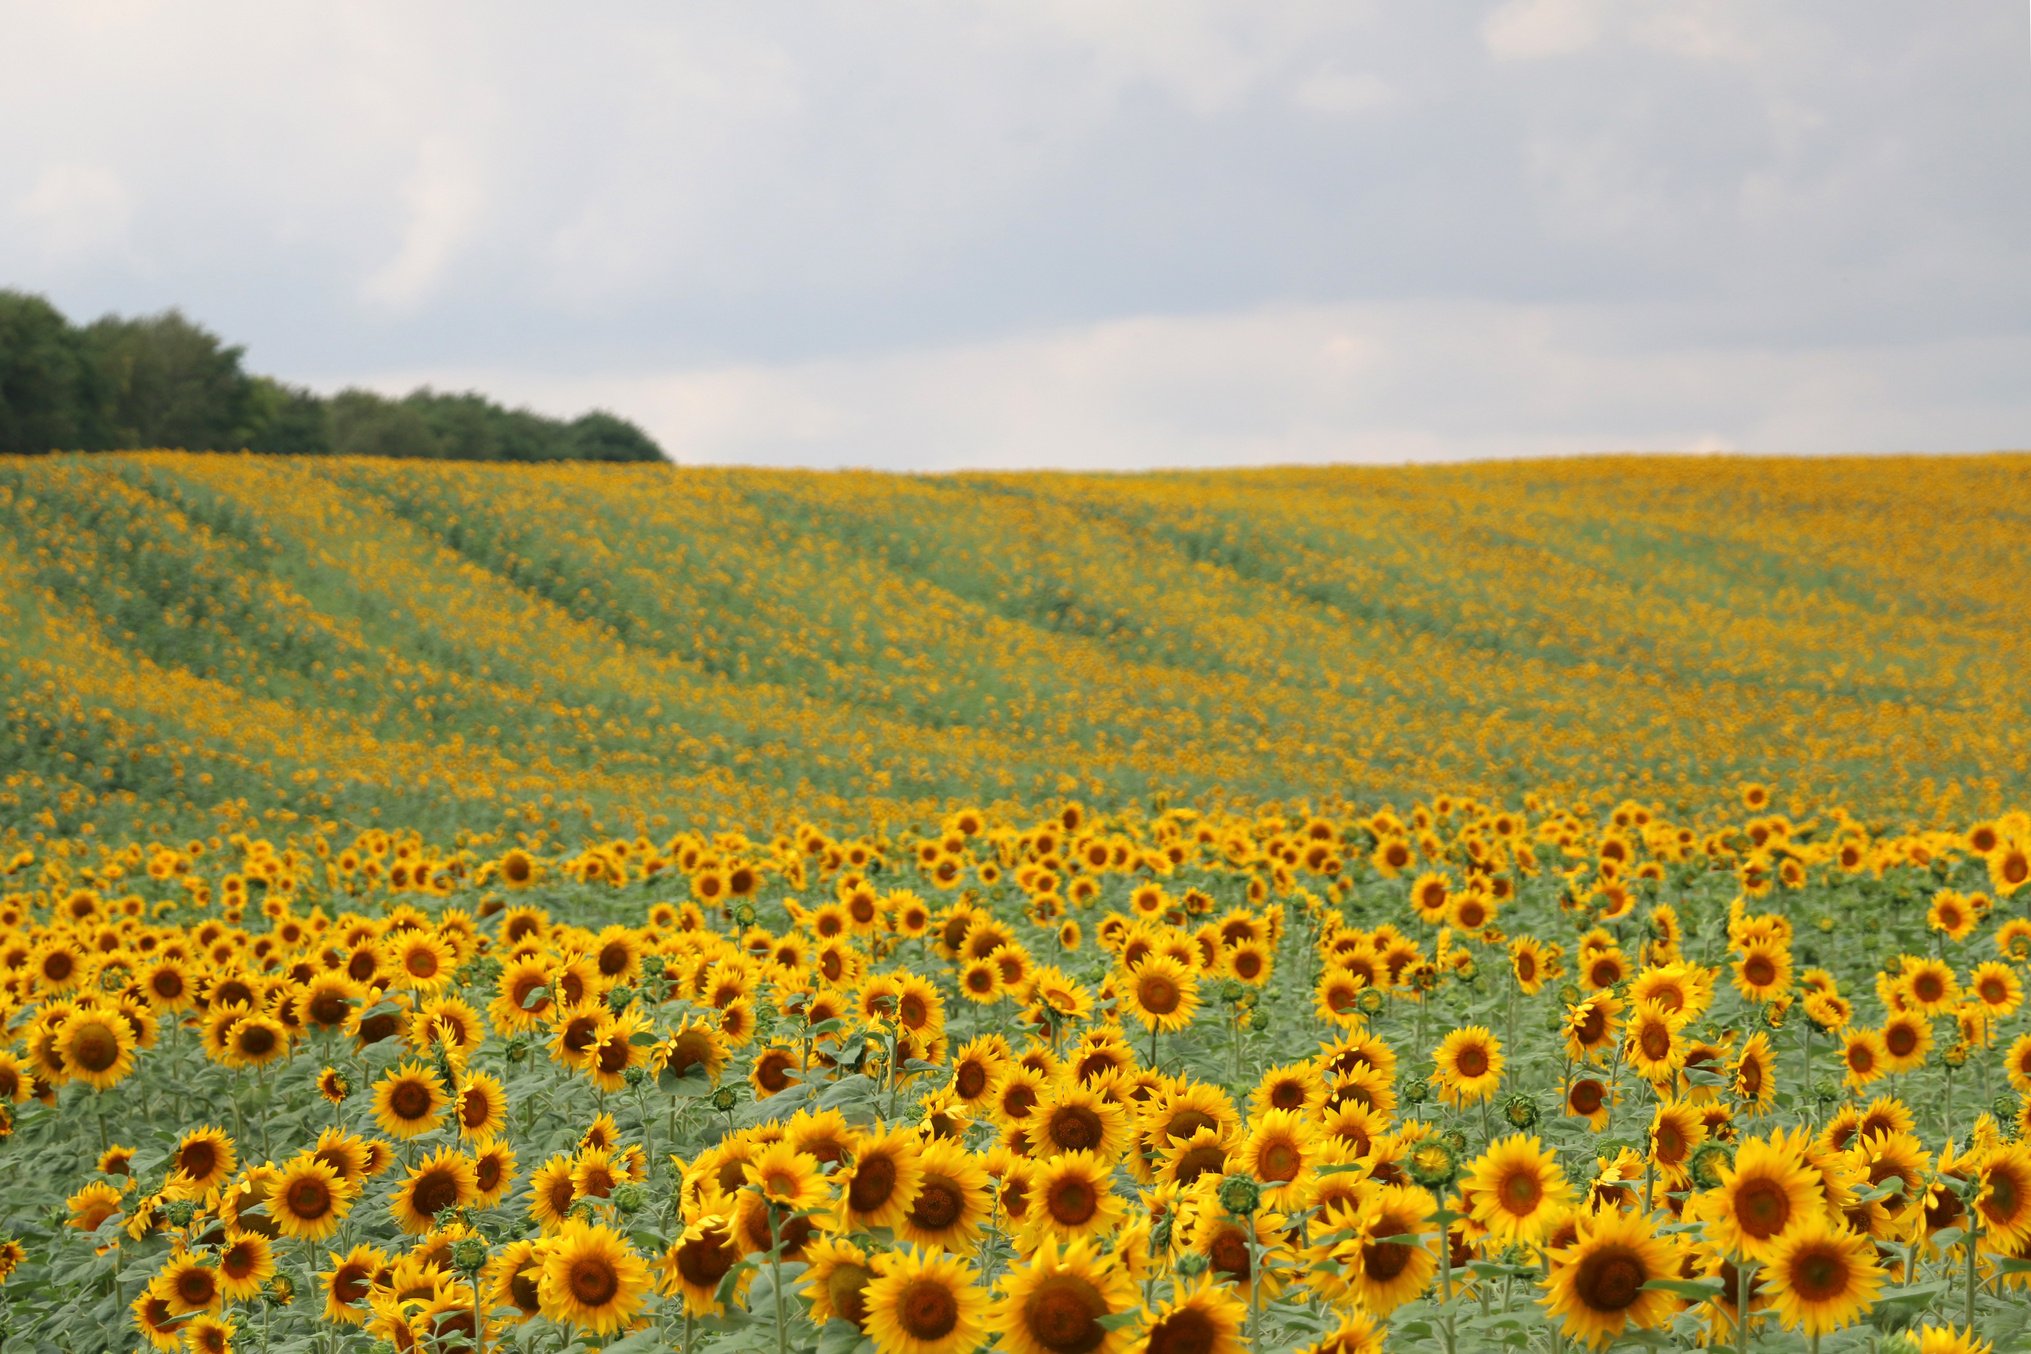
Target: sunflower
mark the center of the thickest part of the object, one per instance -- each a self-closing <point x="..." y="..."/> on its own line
<point x="245" y="1262"/>
<point x="1651" y="1045"/>
<point x="698" y="1261"/>
<point x="881" y="1183"/>
<point x="1517" y="1187"/>
<point x="1202" y="1318"/>
<point x="204" y="1159"/>
<point x="591" y="1278"/>
<point x="1279" y="1151"/>
<point x="1998" y="989"/>
<point x="347" y="1283"/>
<point x="1598" y="1286"/>
<point x="423" y="962"/>
<point x="695" y="1044"/>
<point x="1755" y="1069"/>
<point x="493" y="1169"/>
<point x="1393" y="1246"/>
<point x="208" y="1335"/>
<point x="1469" y="1064"/>
<point x="776" y="1068"/>
<point x="187" y="1284"/>
<point x="1069" y="1117"/>
<point x="924" y="1302"/>
<point x="1294" y="1086"/>
<point x="2005" y="1198"/>
<point x="952" y="1201"/>
<point x="513" y="1278"/>
<point x="97" y="1048"/>
<point x="1591" y="1099"/>
<point x="1161" y="993"/>
<point x="1865" y="1058"/>
<point x="1357" y="1333"/>
<point x="409" y="1100"/>
<point x="836" y="1276"/>
<point x="1527" y="964"/>
<point x="1907" y="1039"/>
<point x="92" y="1205"/>
<point x="308" y="1199"/>
<point x="482" y="1107"/>
<point x="1821" y="1279"/>
<point x="158" y="1324"/>
<point x="444" y="1179"/>
<point x="1767" y="1193"/>
<point x="1064" y="1301"/>
<point x="1951" y="1340"/>
<point x="1590" y="1025"/>
<point x="1676" y="1130"/>
<point x="786" y="1177"/>
<point x="1069" y="1196"/>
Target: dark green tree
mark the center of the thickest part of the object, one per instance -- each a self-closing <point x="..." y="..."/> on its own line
<point x="600" y="436"/>
<point x="169" y="383"/>
<point x="366" y="424"/>
<point x="286" y="420"/>
<point x="49" y="395"/>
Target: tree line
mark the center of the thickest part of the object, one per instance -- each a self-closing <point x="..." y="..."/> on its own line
<point x="161" y="381"/>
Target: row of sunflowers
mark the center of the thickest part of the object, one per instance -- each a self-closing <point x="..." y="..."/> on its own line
<point x="1453" y="1077"/>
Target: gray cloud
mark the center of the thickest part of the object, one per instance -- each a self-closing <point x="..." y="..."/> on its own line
<point x="1068" y="231"/>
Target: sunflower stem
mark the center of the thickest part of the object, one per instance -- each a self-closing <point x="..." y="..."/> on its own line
<point x="1745" y="1278"/>
<point x="1972" y="1244"/>
<point x="776" y="1274"/>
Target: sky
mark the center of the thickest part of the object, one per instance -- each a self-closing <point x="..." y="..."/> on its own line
<point x="1078" y="233"/>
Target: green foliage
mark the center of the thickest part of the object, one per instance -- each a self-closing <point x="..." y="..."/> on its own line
<point x="162" y="381"/>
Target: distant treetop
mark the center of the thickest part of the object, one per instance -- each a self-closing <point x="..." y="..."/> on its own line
<point x="162" y="381"/>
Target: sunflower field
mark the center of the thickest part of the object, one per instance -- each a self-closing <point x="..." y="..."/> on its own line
<point x="1458" y="1077"/>
<point x="456" y="909"/>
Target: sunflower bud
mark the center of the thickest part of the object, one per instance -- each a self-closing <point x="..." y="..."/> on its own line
<point x="1521" y="1111"/>
<point x="518" y="1049"/>
<point x="1709" y="1159"/>
<point x="1369" y="1002"/>
<point x="1416" y="1091"/>
<point x="634" y="1075"/>
<point x="2006" y="1108"/>
<point x="1191" y="1265"/>
<point x="179" y="1212"/>
<point x="1434" y="1163"/>
<point x="1957" y="1056"/>
<point x="744" y="914"/>
<point x="724" y="1099"/>
<point x="280" y="1289"/>
<point x="1240" y="1196"/>
<point x="631" y="1198"/>
<point x="468" y="1254"/>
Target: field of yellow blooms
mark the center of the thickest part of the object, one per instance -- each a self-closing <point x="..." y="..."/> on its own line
<point x="199" y="644"/>
<point x="518" y="909"/>
<point x="1462" y="1076"/>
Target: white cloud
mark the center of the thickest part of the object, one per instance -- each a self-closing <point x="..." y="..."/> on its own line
<point x="1376" y="383"/>
<point x="795" y="230"/>
<point x="1528" y="30"/>
<point x="1334" y="90"/>
<point x="77" y="213"/>
<point x="445" y="200"/>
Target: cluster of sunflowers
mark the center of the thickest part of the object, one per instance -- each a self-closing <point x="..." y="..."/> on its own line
<point x="1177" y="1081"/>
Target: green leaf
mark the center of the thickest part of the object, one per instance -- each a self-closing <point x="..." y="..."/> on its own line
<point x="1695" y="1290"/>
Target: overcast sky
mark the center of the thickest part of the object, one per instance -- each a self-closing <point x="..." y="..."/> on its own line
<point x="1068" y="232"/>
